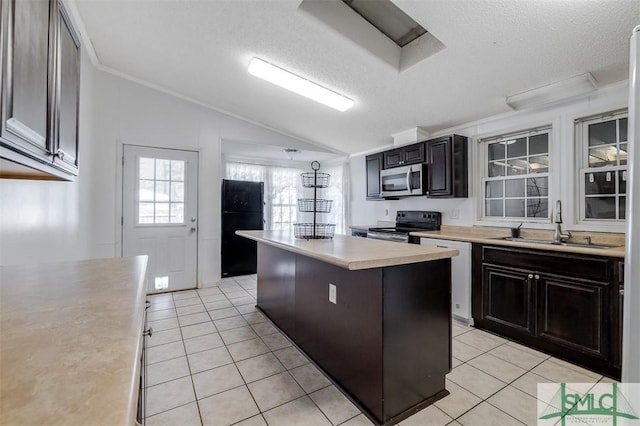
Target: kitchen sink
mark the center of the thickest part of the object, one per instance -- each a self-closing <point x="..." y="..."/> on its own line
<point x="551" y="242"/>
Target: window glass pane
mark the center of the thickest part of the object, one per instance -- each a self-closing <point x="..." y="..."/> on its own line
<point x="177" y="191"/>
<point x="163" y="169"/>
<point x="600" y="207"/>
<point x="514" y="208"/>
<point x="146" y="168"/>
<point x="494" y="208"/>
<point x="623" y="154"/>
<point x="602" y="133"/>
<point x="600" y="183"/>
<point x="538" y="187"/>
<point x="177" y="170"/>
<point x="494" y="189"/>
<point x="517" y="167"/>
<point x="622" y="181"/>
<point x="538" y="207"/>
<point x="539" y="144"/>
<point x="146" y="190"/>
<point x="177" y="213"/>
<point x="603" y="156"/>
<point x="162" y="212"/>
<point x="514" y="188"/>
<point x="539" y="164"/>
<point x="162" y="191"/>
<point x="496" y="151"/>
<point x="496" y="168"/>
<point x="145" y="213"/>
<point x="517" y="148"/>
<point x="622" y="123"/>
<point x="623" y="207"/>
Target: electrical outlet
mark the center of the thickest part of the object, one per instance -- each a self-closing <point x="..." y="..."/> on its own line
<point x="455" y="213"/>
<point x="333" y="296"/>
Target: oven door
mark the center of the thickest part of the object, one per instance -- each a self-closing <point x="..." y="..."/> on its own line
<point x="403" y="181"/>
<point x="388" y="236"/>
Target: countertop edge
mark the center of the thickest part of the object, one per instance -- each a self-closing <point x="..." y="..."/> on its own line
<point x="355" y="264"/>
<point x="610" y="252"/>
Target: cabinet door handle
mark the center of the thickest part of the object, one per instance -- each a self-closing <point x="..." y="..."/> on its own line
<point x="148" y="332"/>
<point x="622" y="292"/>
<point x="537" y="277"/>
<point x="530" y="276"/>
<point x="147" y="304"/>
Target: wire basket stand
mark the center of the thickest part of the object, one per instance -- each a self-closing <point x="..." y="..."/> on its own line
<point x="315" y="205"/>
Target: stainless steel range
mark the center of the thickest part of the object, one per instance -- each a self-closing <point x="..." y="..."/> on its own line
<point x="407" y="221"/>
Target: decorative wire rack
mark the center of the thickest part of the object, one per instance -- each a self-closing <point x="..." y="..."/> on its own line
<point x="310" y="231"/>
<point x="315" y="180"/>
<point x="315" y="205"/>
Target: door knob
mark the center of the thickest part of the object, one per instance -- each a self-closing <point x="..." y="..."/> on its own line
<point x="193" y="229"/>
<point x="193" y="219"/>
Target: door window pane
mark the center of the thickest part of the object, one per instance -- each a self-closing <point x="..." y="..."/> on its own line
<point x="160" y="191"/>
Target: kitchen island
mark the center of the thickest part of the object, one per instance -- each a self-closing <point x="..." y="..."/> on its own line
<point x="374" y="315"/>
<point x="71" y="341"/>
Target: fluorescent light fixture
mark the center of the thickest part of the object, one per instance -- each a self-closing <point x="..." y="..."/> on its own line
<point x="298" y="85"/>
<point x="562" y="90"/>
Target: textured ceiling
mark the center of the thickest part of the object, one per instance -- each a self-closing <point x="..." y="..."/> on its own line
<point x="494" y="48"/>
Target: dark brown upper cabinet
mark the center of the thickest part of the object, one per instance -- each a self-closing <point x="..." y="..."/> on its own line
<point x="404" y="156"/>
<point x="448" y="166"/>
<point x="40" y="77"/>
<point x="373" y="165"/>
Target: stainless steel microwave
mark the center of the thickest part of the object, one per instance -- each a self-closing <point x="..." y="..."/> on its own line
<point x="404" y="181"/>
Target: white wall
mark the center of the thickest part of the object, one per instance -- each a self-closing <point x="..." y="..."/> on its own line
<point x="564" y="183"/>
<point x="44" y="221"/>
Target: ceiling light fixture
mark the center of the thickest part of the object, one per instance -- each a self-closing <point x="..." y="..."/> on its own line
<point x="562" y="90"/>
<point x="291" y="153"/>
<point x="299" y="85"/>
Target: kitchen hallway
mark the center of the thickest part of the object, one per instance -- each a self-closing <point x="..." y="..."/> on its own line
<point x="214" y="359"/>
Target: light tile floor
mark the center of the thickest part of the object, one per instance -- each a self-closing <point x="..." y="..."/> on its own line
<point x="214" y="359"/>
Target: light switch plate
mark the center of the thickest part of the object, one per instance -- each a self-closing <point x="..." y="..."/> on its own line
<point x="333" y="296"/>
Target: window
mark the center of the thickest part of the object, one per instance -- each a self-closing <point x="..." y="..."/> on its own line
<point x="602" y="144"/>
<point x="283" y="187"/>
<point x="515" y="182"/>
<point x="160" y="191"/>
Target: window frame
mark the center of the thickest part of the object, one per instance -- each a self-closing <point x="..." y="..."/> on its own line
<point x="582" y="168"/>
<point x="483" y="165"/>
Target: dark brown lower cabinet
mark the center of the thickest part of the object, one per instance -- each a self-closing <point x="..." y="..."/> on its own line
<point x="386" y="341"/>
<point x="563" y="304"/>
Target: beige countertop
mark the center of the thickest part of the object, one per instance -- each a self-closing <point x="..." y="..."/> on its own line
<point x="487" y="235"/>
<point x="351" y="252"/>
<point x="70" y="340"/>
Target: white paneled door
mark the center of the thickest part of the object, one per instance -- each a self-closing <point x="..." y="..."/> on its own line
<point x="159" y="214"/>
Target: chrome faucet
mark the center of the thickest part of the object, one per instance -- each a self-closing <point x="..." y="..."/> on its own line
<point x="558" y="235"/>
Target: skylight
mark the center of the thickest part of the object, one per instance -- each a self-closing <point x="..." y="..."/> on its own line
<point x="388" y="19"/>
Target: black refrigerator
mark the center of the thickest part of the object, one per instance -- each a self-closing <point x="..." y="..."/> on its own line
<point x="242" y="209"/>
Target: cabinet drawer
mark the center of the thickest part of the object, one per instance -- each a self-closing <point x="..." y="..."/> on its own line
<point x="591" y="268"/>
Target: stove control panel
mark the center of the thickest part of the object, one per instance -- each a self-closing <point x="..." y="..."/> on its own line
<point x="419" y="219"/>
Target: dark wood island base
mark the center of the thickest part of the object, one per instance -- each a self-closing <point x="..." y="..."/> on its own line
<point x="386" y="341"/>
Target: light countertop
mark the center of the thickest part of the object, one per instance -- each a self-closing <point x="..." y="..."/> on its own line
<point x="351" y="252"/>
<point x="70" y="340"/>
<point x="489" y="235"/>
